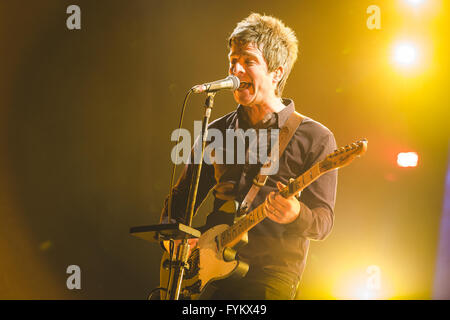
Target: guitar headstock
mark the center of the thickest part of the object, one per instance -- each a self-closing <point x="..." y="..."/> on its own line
<point x="343" y="156"/>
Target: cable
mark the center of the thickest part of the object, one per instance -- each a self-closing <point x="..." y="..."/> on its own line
<point x="154" y="290"/>
<point x="169" y="204"/>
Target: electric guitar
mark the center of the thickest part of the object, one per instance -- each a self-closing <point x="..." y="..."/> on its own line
<point x="215" y="256"/>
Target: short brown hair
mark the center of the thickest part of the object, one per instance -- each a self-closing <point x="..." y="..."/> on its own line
<point x="277" y="42"/>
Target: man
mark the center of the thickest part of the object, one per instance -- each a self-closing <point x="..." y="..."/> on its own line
<point x="262" y="53"/>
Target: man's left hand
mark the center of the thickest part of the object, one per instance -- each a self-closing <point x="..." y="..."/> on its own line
<point x="280" y="209"/>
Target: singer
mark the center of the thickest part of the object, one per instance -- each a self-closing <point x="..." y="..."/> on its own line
<point x="262" y="52"/>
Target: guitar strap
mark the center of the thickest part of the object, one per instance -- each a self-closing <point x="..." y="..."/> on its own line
<point x="286" y="133"/>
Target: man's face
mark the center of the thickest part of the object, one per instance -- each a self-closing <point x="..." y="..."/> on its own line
<point x="257" y="84"/>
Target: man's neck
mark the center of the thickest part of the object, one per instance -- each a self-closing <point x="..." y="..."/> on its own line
<point x="257" y="112"/>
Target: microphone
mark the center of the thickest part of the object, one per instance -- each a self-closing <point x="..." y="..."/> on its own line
<point x="230" y="82"/>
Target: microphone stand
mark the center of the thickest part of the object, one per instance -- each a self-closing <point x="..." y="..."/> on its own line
<point x="179" y="266"/>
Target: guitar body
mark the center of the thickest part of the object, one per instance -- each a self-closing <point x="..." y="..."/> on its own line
<point x="208" y="262"/>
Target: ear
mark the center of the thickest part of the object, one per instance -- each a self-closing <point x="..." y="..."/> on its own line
<point x="278" y="74"/>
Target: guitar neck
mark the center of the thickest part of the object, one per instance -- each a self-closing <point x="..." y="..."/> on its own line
<point x="230" y="236"/>
<point x="300" y="183"/>
<point x="337" y="159"/>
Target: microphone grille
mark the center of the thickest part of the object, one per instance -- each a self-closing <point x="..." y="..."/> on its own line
<point x="236" y="82"/>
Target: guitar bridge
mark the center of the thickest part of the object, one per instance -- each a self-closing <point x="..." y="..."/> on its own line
<point x="192" y="265"/>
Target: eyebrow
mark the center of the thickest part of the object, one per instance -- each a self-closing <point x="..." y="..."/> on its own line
<point x="242" y="53"/>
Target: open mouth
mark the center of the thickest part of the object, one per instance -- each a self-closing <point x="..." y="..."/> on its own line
<point x="245" y="85"/>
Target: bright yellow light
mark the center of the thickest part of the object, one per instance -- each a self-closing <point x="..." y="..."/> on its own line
<point x="356" y="284"/>
<point x="414" y="2"/>
<point x="407" y="159"/>
<point x="405" y="54"/>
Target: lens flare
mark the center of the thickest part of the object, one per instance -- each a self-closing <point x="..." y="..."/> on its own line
<point x="407" y="159"/>
<point x="405" y="54"/>
<point x="414" y="2"/>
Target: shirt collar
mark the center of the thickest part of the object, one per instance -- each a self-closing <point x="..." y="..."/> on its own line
<point x="271" y="120"/>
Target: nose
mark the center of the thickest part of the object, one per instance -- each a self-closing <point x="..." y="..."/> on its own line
<point x="236" y="69"/>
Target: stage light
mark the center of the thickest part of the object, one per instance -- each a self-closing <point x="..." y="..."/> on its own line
<point x="405" y="54"/>
<point x="407" y="159"/>
<point x="414" y="2"/>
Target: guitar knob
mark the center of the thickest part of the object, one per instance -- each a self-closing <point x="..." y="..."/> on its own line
<point x="229" y="254"/>
<point x="166" y="264"/>
<point x="185" y="294"/>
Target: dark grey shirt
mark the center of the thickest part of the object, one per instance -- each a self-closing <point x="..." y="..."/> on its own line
<point x="273" y="245"/>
